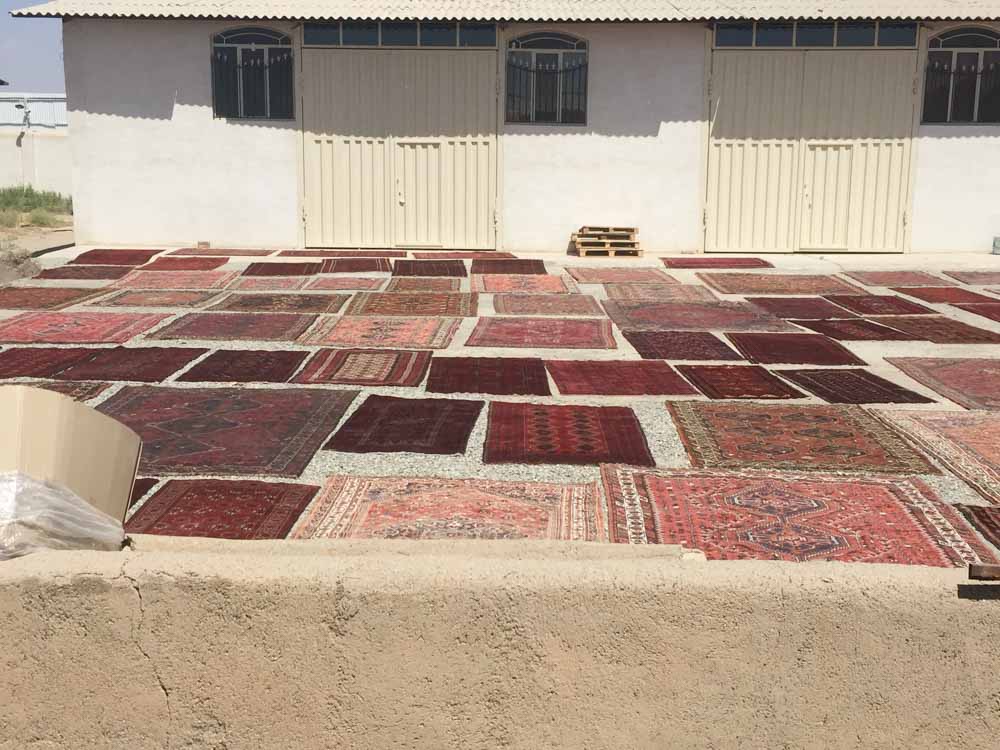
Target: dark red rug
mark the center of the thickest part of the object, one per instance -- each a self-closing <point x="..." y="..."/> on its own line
<point x="213" y="251"/>
<point x="43" y="362"/>
<point x="181" y="263"/>
<point x="807" y="308"/>
<point x="44" y="297"/>
<point x="737" y="381"/>
<point x="533" y="267"/>
<point x="240" y="366"/>
<point x="90" y="273"/>
<point x="853" y="386"/>
<point x="943" y="294"/>
<point x="990" y="311"/>
<point x="141" y="488"/>
<point x="139" y="364"/>
<point x="546" y="434"/>
<point x="222" y="509"/>
<point x="876" y="304"/>
<point x="463" y="255"/>
<point x="855" y="330"/>
<point x="941" y="330"/>
<point x="705" y="262"/>
<point x="372" y="367"/>
<point x="383" y="424"/>
<point x="498" y="375"/>
<point x="429" y="268"/>
<point x="596" y="377"/>
<point x="684" y="345"/>
<point x="985" y="520"/>
<point x="293" y="303"/>
<point x="77" y="391"/>
<point x="356" y="265"/>
<point x="342" y="254"/>
<point x="542" y="333"/>
<point x="282" y="269"/>
<point x="792" y="349"/>
<point x="237" y="326"/>
<point x="257" y="431"/>
<point x="111" y="257"/>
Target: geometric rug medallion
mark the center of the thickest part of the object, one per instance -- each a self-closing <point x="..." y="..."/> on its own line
<point x="853" y="386"/>
<point x="284" y="269"/>
<point x="44" y="297"/>
<point x="737" y="382"/>
<point x="371" y="367"/>
<point x="504" y="376"/>
<point x="973" y="383"/>
<point x="365" y="332"/>
<point x="617" y="378"/>
<point x="237" y="326"/>
<point x="792" y="348"/>
<point x="542" y="333"/>
<point x="77" y="327"/>
<point x="245" y="366"/>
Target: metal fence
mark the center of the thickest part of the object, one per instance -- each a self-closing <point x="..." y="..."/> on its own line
<point x="36" y="110"/>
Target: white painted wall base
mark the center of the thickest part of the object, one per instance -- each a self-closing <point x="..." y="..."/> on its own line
<point x="40" y="159"/>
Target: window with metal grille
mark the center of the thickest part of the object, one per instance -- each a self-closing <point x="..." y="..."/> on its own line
<point x="962" y="81"/>
<point x="844" y="34"/>
<point x="547" y="79"/>
<point x="252" y="74"/>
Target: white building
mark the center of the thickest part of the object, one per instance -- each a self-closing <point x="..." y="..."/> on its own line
<point x="716" y="127"/>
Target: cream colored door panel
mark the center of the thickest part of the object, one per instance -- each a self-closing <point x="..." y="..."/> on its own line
<point x="826" y="196"/>
<point x="418" y="193"/>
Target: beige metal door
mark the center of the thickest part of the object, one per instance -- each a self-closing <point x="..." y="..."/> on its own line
<point x="400" y="148"/>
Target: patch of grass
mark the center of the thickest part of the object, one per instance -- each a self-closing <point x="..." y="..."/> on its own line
<point x="26" y="198"/>
<point x="9" y="218"/>
<point x="41" y="217"/>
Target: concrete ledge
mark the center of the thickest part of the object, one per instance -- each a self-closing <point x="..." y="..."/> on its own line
<point x="189" y="643"/>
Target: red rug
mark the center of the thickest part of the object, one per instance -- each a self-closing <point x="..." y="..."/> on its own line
<point x="336" y="283"/>
<point x="973" y="383"/>
<point x="423" y="284"/>
<point x="369" y="367"/>
<point x="243" y="366"/>
<point x="383" y="333"/>
<point x="944" y="294"/>
<point x="356" y="265"/>
<point x="282" y="269"/>
<point x="415" y="508"/>
<point x="222" y="509"/>
<point x="737" y="382"/>
<point x="990" y="311"/>
<point x="653" y="315"/>
<point x="985" y="520"/>
<point x="237" y="327"/>
<point x="454" y="268"/>
<point x="792" y="349"/>
<point x="44" y="297"/>
<point x="342" y="254"/>
<point x="507" y="265"/>
<point x="256" y="431"/>
<point x="587" y="275"/>
<point x="274" y="283"/>
<point x="503" y="283"/>
<point x="41" y="362"/>
<point x="683" y="345"/>
<point x="433" y="304"/>
<point x="791" y="517"/>
<point x="463" y="255"/>
<point x="213" y="251"/>
<point x="141" y="488"/>
<point x="852" y="386"/>
<point x="792" y="437"/>
<point x="169" y="298"/>
<point x="661" y="292"/>
<point x="76" y="327"/>
<point x="976" y="278"/>
<point x="80" y="273"/>
<point x="941" y="330"/>
<point x="113" y="257"/>
<point x="806" y="308"/>
<point x="855" y="330"/>
<point x="504" y="376"/>
<point x="621" y="378"/>
<point x="705" y="262"/>
<point x="383" y="424"/>
<point x="545" y="434"/>
<point x="176" y="280"/>
<point x="181" y="263"/>
<point x="777" y="283"/>
<point x="76" y="391"/>
<point x="292" y="303"/>
<point x="547" y="304"/>
<point x="139" y="364"/>
<point x="898" y="278"/>
<point x="878" y="304"/>
<point x="542" y="333"/>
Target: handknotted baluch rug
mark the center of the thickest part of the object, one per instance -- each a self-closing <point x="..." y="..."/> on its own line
<point x="370" y="367"/>
<point x="586" y="275"/>
<point x="944" y="294"/>
<point x="801" y="307"/>
<point x="139" y="364"/>
<point x="90" y="273"/>
<point x="356" y="265"/>
<point x="617" y="378"/>
<point x="332" y="283"/>
<point x="152" y="298"/>
<point x="454" y="268"/>
<point x="503" y="376"/>
<point x="985" y="520"/>
<point x="180" y="263"/>
<point x="973" y="383"/>
<point x="680" y="345"/>
<point x="662" y="292"/>
<point x="855" y="330"/>
<point x="176" y="280"/>
<point x="737" y="381"/>
<point x="423" y="284"/>
<point x="704" y="262"/>
<point x="941" y="330"/>
<point x="792" y="349"/>
<point x="879" y="304"/>
<point x="283" y="269"/>
<point x="112" y="257"/>
<point x="522" y="284"/>
<point x="44" y="297"/>
<point x="77" y="327"/>
<point x="547" y="304"/>
<point x="433" y="304"/>
<point x="898" y="278"/>
<point x="509" y="266"/>
<point x="41" y="362"/>
<point x="654" y="315"/>
<point x="976" y="278"/>
<point x="777" y="283"/>
<point x="243" y="366"/>
<point x="205" y="326"/>
<point x="325" y="304"/>
<point x="542" y="333"/>
<point x="383" y="333"/>
<point x="853" y="386"/>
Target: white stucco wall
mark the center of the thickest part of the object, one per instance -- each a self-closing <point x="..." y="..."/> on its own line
<point x="151" y="164"/>
<point x="40" y="159"/>
<point x="638" y="160"/>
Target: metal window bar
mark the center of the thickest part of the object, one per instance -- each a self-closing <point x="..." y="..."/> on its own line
<point x="254" y="61"/>
<point x="542" y="93"/>
<point x="972" y="92"/>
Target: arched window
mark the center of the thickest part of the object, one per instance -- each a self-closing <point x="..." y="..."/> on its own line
<point x="547" y="79"/>
<point x="962" y="82"/>
<point x="252" y="74"/>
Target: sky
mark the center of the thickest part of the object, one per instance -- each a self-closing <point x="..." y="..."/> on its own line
<point x="30" y="51"/>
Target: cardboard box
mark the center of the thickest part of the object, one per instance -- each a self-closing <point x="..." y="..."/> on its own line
<point x="52" y="438"/>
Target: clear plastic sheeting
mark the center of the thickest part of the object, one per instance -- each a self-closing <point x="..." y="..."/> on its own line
<point x="36" y="516"/>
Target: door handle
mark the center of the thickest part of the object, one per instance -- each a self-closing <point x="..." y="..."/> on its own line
<point x="399" y="193"/>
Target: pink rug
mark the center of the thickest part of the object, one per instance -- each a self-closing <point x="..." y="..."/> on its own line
<point x="176" y="280"/>
<point x="542" y="333"/>
<point x="522" y="284"/>
<point x="76" y="327"/>
<point x="383" y="333"/>
<point x="586" y="275"/>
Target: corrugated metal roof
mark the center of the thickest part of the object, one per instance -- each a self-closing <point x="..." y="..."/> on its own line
<point x="523" y="10"/>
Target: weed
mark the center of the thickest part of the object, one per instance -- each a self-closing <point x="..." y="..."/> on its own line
<point x="26" y="198"/>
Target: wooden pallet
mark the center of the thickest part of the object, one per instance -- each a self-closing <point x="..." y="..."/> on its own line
<point x="606" y="241"/>
<point x="607" y="230"/>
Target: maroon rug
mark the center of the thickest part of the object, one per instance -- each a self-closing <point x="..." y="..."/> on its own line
<point x="258" y="431"/>
<point x="542" y="333"/>
<point x="342" y="254"/>
<point x="43" y="362"/>
<point x="139" y="364"/>
<point x="705" y="262"/>
<point x="429" y="268"/>
<point x="141" y="488"/>
<point x="372" y="367"/>
<point x="547" y="304"/>
<point x="807" y="308"/>
<point x="852" y="386"/>
<point x="213" y="251"/>
<point x="181" y="263"/>
<point x="990" y="311"/>
<point x="941" y="330"/>
<point x="737" y="381"/>
<point x="504" y="376"/>
<point x="897" y="278"/>
<point x="778" y="283"/>
<point x="684" y="345"/>
<point x="463" y="255"/>
<point x="621" y="378"/>
<point x="112" y="257"/>
<point x="282" y="269"/>
<point x="943" y="294"/>
<point x="876" y="304"/>
<point x="545" y="434"/>
<point x="412" y="284"/>
<point x="983" y="278"/>
<point x="792" y="349"/>
<point x="153" y="298"/>
<point x="654" y="315"/>
<point x="984" y="520"/>
<point x="82" y="391"/>
<point x="237" y="326"/>
<point x="240" y="366"/>
<point x="44" y="297"/>
<point x="383" y="424"/>
<point x="222" y="509"/>
<point x="89" y="273"/>
<point x="293" y="303"/>
<point x="534" y="267"/>
<point x="356" y="265"/>
<point x="855" y="330"/>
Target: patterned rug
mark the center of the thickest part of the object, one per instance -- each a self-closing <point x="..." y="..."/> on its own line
<point x="792" y="437"/>
<point x="76" y="391"/>
<point x="944" y="294"/>
<point x="504" y="376"/>
<point x="293" y="303"/>
<point x="737" y="382"/>
<point x="285" y="269"/>
<point x="41" y="362"/>
<point x="510" y="266"/>
<point x="853" y="386"/>
<point x="662" y="292"/>
<point x="213" y="251"/>
<point x="703" y="262"/>
<point x="356" y="265"/>
<point x="433" y="304"/>
<point x="169" y="298"/>
<point x="140" y="488"/>
<point x="897" y="278"/>
<point x="181" y="263"/>
<point x="653" y="315"/>
<point x="413" y="508"/>
<point x="879" y="304"/>
<point x="383" y="424"/>
<point x="80" y="273"/>
<point x="990" y="311"/>
<point x="685" y="345"/>
<point x="139" y="364"/>
<point x="240" y="366"/>
<point x="855" y="330"/>
<point x="547" y="304"/>
<point x="967" y="442"/>
<point x="114" y="257"/>
<point x="369" y="367"/>
<point x="384" y="333"/>
<point x="338" y="283"/>
<point x="586" y="275"/>
<point x="274" y="283"/>
<point x="423" y="284"/>
<point x="792" y="349"/>
<point x="454" y="268"/>
<point x="545" y="434"/>
<point x="542" y="333"/>
<point x="463" y="255"/>
<point x="941" y="330"/>
<point x="791" y="517"/>
<point x="523" y="284"/>
<point x="256" y="431"/>
<point x="76" y="327"/>
<point x="176" y="280"/>
<point x="806" y="308"/>
<point x="976" y="278"/>
<point x="342" y="254"/>
<point x="985" y="520"/>
<point x="777" y="283"/>
<point x="237" y="327"/>
<point x="973" y="383"/>
<point x="222" y="509"/>
<point x="44" y="297"/>
<point x="643" y="378"/>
